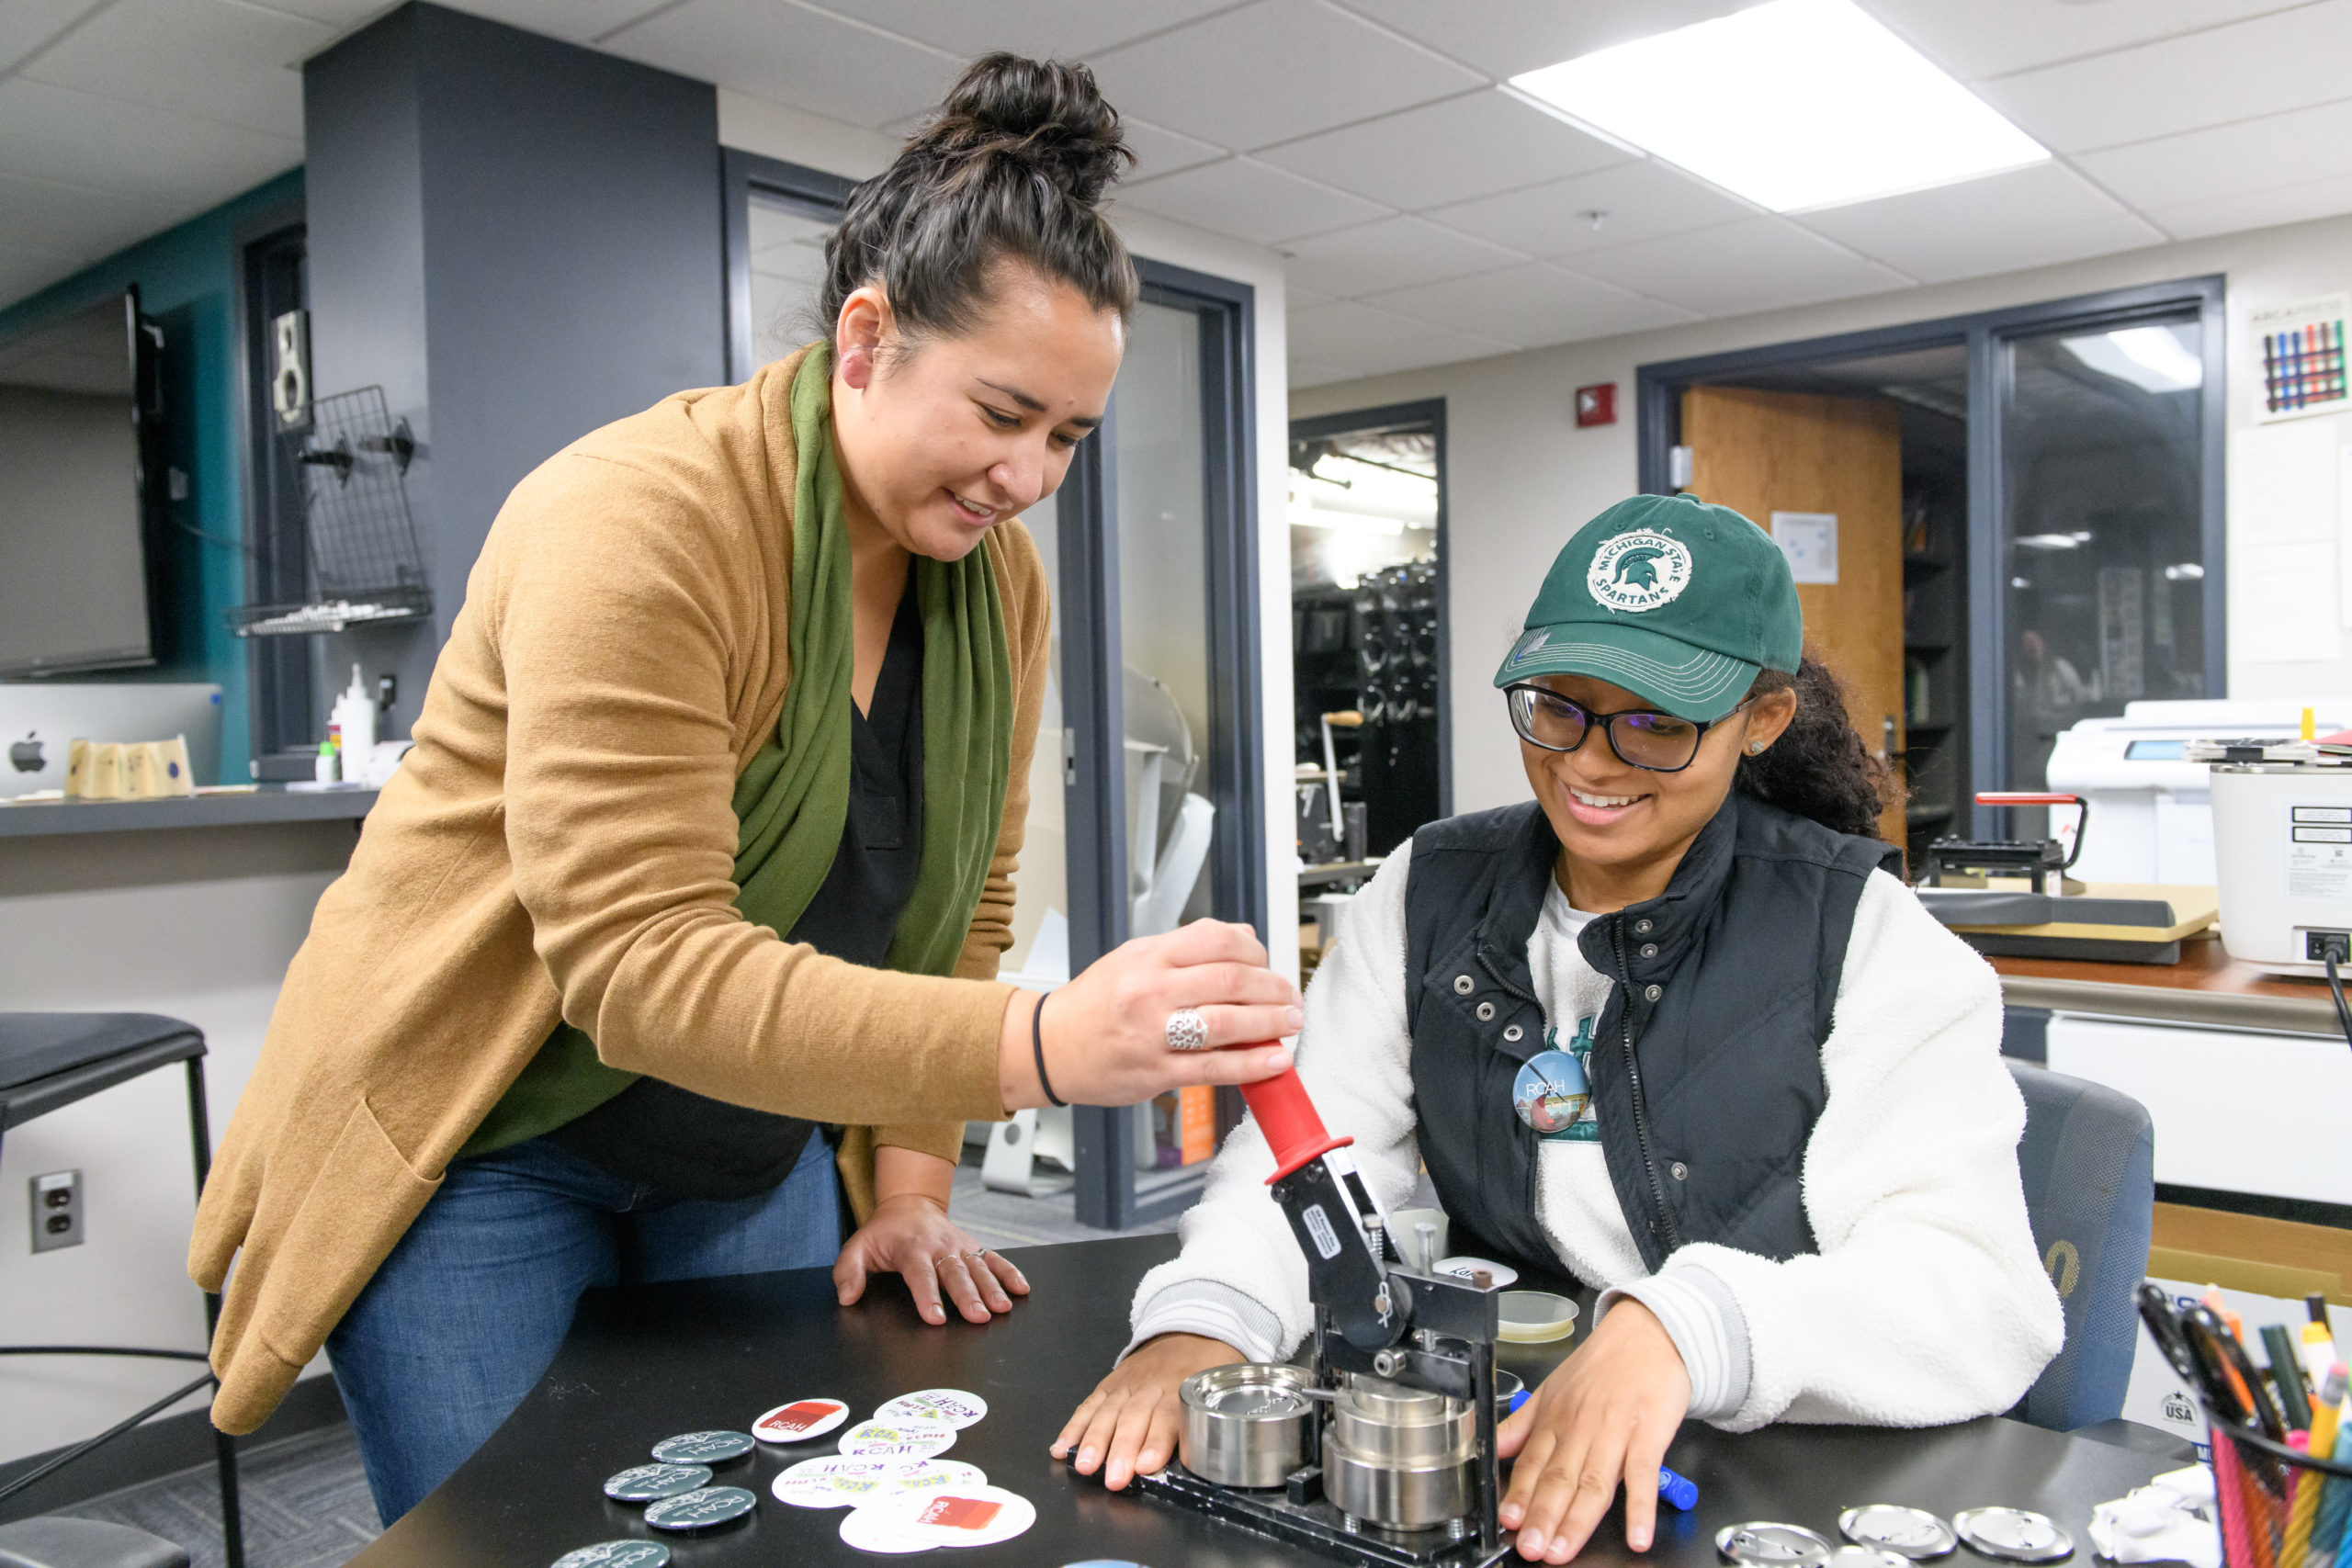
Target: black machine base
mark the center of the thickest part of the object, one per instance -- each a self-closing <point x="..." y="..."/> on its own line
<point x="1316" y="1525"/>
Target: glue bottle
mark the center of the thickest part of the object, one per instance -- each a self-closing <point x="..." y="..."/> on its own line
<point x="355" y="717"/>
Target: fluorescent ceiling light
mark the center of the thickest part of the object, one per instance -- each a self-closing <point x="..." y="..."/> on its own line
<point x="1794" y="104"/>
<point x="2049" y="541"/>
<point x="2153" y="359"/>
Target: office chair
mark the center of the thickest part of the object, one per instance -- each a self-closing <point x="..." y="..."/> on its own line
<point x="2088" y="1161"/>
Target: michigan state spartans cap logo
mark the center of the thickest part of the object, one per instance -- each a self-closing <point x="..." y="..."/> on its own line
<point x="1639" y="571"/>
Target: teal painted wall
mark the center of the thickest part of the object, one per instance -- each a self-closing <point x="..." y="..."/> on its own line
<point x="188" y="283"/>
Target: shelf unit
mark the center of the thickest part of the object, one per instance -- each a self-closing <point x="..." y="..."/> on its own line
<point x="1934" y="762"/>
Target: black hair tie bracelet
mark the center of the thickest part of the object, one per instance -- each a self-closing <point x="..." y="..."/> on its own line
<point x="1037" y="1049"/>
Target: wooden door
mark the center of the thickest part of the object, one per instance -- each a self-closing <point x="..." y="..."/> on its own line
<point x="1759" y="453"/>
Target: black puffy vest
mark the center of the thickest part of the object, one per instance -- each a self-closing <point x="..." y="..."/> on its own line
<point x="1706" y="1061"/>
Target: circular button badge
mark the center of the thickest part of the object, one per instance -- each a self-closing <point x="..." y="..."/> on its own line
<point x="705" y="1509"/>
<point x="1551" y="1091"/>
<point x="1907" y="1532"/>
<point x="1767" y="1545"/>
<point x="869" y="1531"/>
<point x="949" y="1407"/>
<point x="800" y="1420"/>
<point x="1865" y="1557"/>
<point x="652" y="1483"/>
<point x="616" y="1554"/>
<point x="960" y="1515"/>
<point x="934" y="1476"/>
<point x="899" y="1439"/>
<point x="836" y="1481"/>
<point x="2013" y="1535"/>
<point x="702" y="1448"/>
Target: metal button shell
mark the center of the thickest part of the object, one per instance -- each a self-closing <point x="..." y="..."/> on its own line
<point x="1767" y="1545"/>
<point x="1906" y="1531"/>
<point x="2013" y="1535"/>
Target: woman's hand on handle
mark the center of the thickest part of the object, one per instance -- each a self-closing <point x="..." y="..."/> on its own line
<point x="1129" y="1425"/>
<point x="1106" y="1031"/>
<point x="1605" y="1415"/>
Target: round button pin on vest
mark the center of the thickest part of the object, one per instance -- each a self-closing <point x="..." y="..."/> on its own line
<point x="616" y="1554"/>
<point x="702" y="1448"/>
<point x="1550" y="1091"/>
<point x="899" y="1439"/>
<point x="1767" y="1545"/>
<point x="960" y="1515"/>
<point x="836" y="1481"/>
<point x="1890" y="1526"/>
<point x="869" y="1531"/>
<point x="951" y="1407"/>
<point x="705" y="1509"/>
<point x="2013" y="1535"/>
<point x="800" y="1420"/>
<point x="652" y="1483"/>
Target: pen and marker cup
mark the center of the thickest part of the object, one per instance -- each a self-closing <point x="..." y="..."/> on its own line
<point x="2280" y="1508"/>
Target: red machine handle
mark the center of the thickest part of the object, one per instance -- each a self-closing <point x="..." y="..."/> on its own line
<point x="1288" y="1119"/>
<point x="2024" y="797"/>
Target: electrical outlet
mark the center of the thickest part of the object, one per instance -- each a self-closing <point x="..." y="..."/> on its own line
<point x="57" y="1210"/>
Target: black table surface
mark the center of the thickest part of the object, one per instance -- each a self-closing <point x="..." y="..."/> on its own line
<point x="644" y="1362"/>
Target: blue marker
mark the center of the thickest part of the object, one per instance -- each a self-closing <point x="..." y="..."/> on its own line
<point x="1679" y="1490"/>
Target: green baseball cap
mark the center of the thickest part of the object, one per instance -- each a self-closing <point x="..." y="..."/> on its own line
<point x="1678" y="601"/>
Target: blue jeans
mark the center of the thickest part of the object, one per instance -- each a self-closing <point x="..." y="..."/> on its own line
<point x="467" y="1313"/>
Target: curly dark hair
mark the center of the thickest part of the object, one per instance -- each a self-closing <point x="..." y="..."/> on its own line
<point x="1819" y="768"/>
<point x="1012" y="166"/>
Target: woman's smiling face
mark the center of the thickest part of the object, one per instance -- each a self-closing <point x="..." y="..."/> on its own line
<point x="942" y="438"/>
<point x="1626" y="826"/>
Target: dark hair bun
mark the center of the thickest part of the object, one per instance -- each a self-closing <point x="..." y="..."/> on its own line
<point x="1012" y="167"/>
<point x="1047" y="114"/>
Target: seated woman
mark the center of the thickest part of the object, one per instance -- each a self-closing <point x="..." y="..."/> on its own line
<point x="1674" y="1029"/>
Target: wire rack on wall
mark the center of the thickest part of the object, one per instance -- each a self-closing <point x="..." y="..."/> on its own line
<point x="365" y="565"/>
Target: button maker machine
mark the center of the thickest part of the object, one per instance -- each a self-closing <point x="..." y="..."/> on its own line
<point x="1401" y="1385"/>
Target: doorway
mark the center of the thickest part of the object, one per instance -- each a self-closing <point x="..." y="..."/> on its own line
<point x="2052" y="550"/>
<point x="1366" y="519"/>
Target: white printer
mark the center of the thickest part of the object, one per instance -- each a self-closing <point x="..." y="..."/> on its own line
<point x="2151" y="808"/>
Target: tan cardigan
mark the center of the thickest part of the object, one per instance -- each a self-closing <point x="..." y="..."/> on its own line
<point x="561" y="840"/>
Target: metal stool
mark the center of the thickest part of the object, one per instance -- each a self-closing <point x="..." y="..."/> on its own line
<point x="48" y="1060"/>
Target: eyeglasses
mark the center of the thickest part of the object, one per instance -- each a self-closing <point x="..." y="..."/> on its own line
<point x="1642" y="737"/>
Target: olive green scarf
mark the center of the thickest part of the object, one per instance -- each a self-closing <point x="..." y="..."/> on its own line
<point x="792" y="802"/>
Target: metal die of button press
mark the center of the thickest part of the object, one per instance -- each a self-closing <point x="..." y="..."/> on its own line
<point x="1400" y="1458"/>
<point x="1250" y="1424"/>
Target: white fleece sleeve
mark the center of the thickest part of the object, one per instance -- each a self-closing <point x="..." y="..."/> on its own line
<point x="1240" y="1269"/>
<point x="1927" y="1302"/>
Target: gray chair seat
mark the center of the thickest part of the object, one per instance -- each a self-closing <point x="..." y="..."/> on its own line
<point x="55" y="1542"/>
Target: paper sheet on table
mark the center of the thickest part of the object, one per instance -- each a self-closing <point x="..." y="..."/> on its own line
<point x="2283" y="483"/>
<point x="2285" y="611"/>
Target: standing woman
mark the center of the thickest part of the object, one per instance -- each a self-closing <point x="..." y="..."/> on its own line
<point x="708" y="838"/>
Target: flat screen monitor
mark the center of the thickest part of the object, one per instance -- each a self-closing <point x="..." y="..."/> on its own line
<point x="74" y="567"/>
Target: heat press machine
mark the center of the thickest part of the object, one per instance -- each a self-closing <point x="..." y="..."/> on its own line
<point x="1382" y="1451"/>
<point x="2013" y="898"/>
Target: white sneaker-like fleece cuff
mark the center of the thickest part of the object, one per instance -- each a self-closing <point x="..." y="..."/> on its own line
<point x="1704" y="1321"/>
<point x="1217" y="1311"/>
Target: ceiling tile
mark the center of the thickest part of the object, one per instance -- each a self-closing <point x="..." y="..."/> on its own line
<point x="1504" y="37"/>
<point x="1358" y="340"/>
<point x="25" y="271"/>
<point x="1757" y="263"/>
<point x="1531" y="305"/>
<point x="1159" y="151"/>
<point x="1481" y="142"/>
<point x="1390" y="253"/>
<point x="71" y="220"/>
<point x="2002" y="223"/>
<point x="1062" y="30"/>
<point x="69" y="138"/>
<point x="1640" y="200"/>
<point x="1273" y="72"/>
<point x="221" y="61"/>
<point x="1248" y="201"/>
<point x="1310" y="372"/>
<point x="2287" y="60"/>
<point x="1297" y="297"/>
<point x="576" y="21"/>
<point x="2256" y="210"/>
<point x="791" y="55"/>
<point x="26" y="25"/>
<point x="2229" y="160"/>
<point x="1989" y="38"/>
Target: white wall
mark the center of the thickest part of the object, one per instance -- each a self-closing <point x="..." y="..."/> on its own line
<point x="753" y="125"/>
<point x="195" y="924"/>
<point x="1520" y="476"/>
